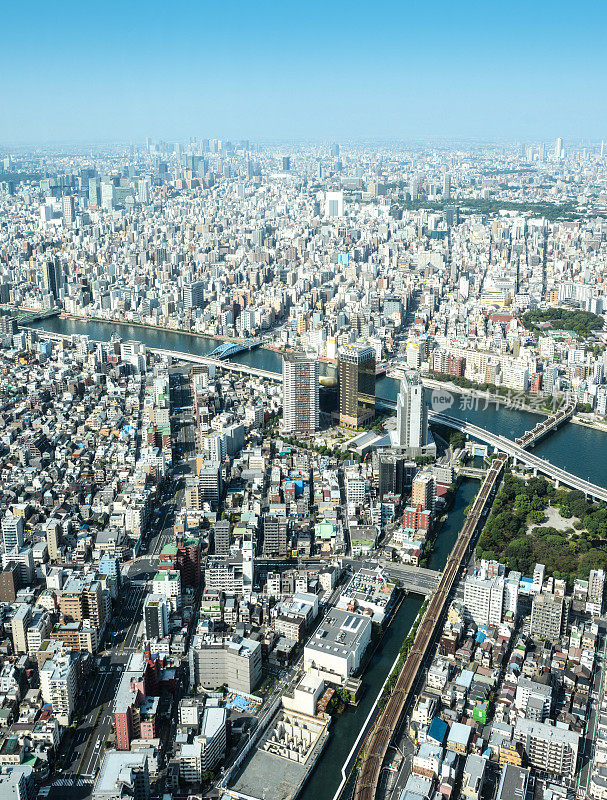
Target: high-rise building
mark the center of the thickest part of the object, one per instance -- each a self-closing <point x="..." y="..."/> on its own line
<point x="221" y="531"/>
<point x="274" y="536"/>
<point x="484" y="599"/>
<point x="596" y="586"/>
<point x="446" y="186"/>
<point x="300" y="394"/>
<point x="423" y="491"/>
<point x="58" y="684"/>
<point x="156" y="616"/>
<point x="559" y="150"/>
<point x="107" y="195"/>
<point x="68" y="209"/>
<point x="52" y="278"/>
<point x="53" y="539"/>
<point x="19" y="625"/>
<point x="549" y="615"/>
<point x="94" y="192"/>
<point x="143" y="190"/>
<point x="12" y="532"/>
<point x="356" y="372"/>
<point x="334" y="204"/>
<point x="286" y="163"/>
<point x="411" y="416"/>
<point x="193" y="295"/>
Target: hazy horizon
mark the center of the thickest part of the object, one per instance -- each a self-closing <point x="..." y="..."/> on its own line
<point x="269" y="71"/>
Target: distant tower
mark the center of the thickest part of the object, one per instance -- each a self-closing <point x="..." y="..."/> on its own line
<point x="51" y="277"/>
<point x="67" y="206"/>
<point x="334" y="204"/>
<point x="446" y="186"/>
<point x="286" y="163"/>
<point x="559" y="151"/>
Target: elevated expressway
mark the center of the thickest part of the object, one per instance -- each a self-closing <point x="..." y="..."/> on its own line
<point x="516" y="451"/>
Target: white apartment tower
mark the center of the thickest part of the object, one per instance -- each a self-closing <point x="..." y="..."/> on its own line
<point x="411" y="415"/>
<point x="300" y="394"/>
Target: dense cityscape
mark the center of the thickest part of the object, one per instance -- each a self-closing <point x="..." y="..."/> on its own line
<point x="302" y="471"/>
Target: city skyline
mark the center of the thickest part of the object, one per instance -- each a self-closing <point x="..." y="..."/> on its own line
<point x="271" y="72"/>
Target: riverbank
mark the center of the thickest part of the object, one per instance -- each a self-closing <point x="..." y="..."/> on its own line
<point x="162" y="328"/>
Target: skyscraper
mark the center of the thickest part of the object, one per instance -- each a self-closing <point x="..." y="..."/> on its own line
<point x="300" y="394"/>
<point x="446" y="186"/>
<point x="67" y="206"/>
<point x="334" y="204"/>
<point x="411" y="416"/>
<point x="51" y="277"/>
<point x="356" y="371"/>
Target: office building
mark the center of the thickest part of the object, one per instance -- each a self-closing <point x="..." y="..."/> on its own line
<point x="356" y="371"/>
<point x="336" y="649"/>
<point x="334" y="204"/>
<point x="193" y="295"/>
<point x="52" y="277"/>
<point x="123" y="775"/>
<point x="68" y="209"/>
<point x="12" y="532"/>
<point x="233" y="660"/>
<point x="300" y="414"/>
<point x="156" y="612"/>
<point x="411" y="432"/>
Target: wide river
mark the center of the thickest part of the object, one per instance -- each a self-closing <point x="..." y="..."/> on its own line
<point x="578" y="449"/>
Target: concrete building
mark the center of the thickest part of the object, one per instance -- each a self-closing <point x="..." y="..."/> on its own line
<point x="484" y="599"/>
<point x="336" y="649"/>
<point x="235" y="661"/>
<point x="12" y="532"/>
<point x="207" y="749"/>
<point x="300" y="404"/>
<point x="58" y="683"/>
<point x="549" y="615"/>
<point x="411" y="431"/>
<point x="548" y="748"/>
<point x="156" y="610"/>
<point x="123" y="775"/>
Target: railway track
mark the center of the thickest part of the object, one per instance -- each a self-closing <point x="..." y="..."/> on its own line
<point x="379" y="737"/>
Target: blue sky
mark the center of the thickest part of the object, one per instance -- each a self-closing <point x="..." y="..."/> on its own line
<point x="326" y="70"/>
